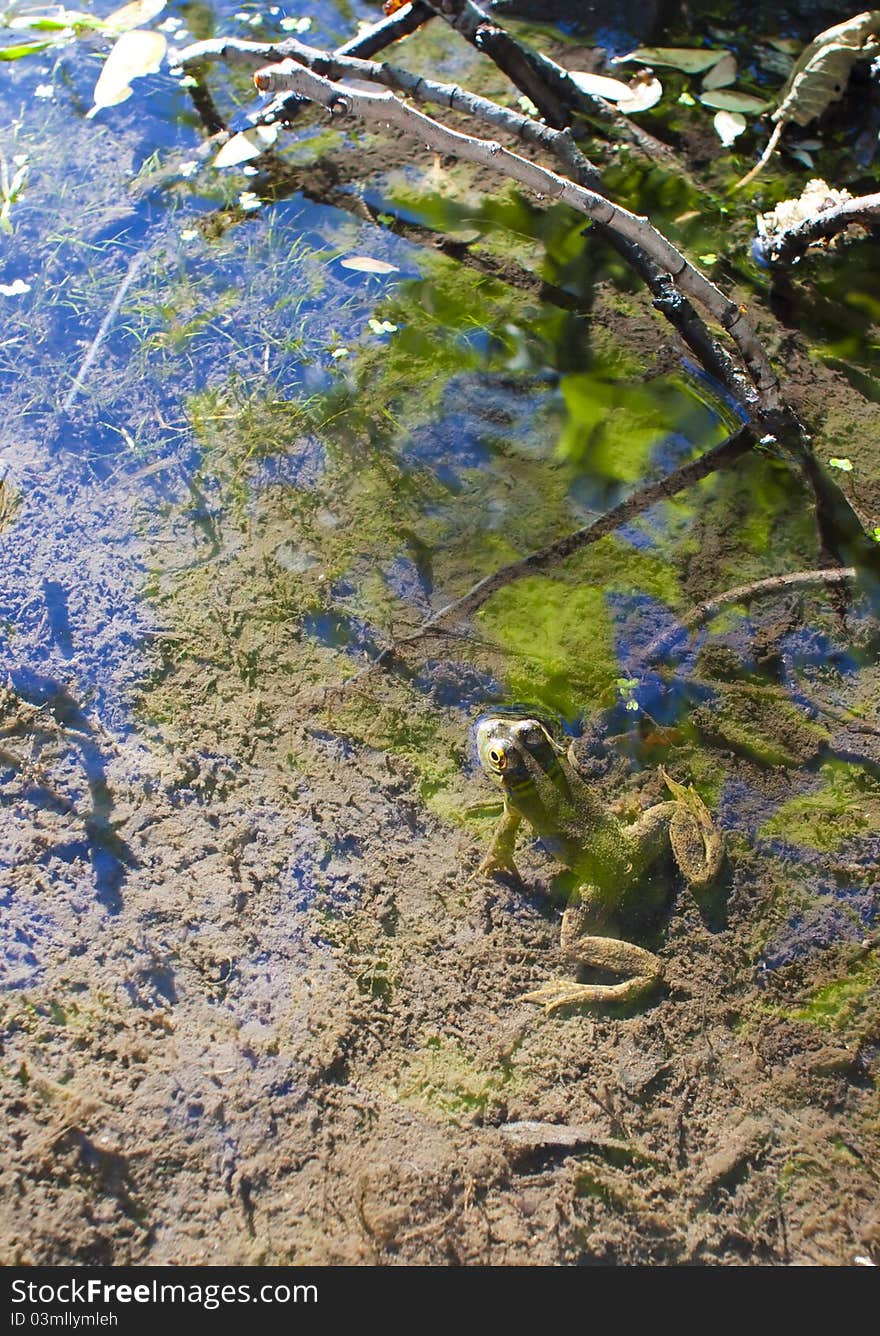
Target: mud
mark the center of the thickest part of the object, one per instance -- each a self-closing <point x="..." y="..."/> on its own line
<point x="257" y="1007"/>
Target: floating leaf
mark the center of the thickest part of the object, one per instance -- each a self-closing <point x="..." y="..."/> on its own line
<point x="135" y="54"/>
<point x="26" y="49"/>
<point x="365" y="264"/>
<point x="690" y="59"/>
<point x="246" y="145"/>
<point x="722" y="73"/>
<point x="133" y="15"/>
<point x="599" y="85"/>
<point x="729" y="125"/>
<point x="709" y="258"/>
<point x="728" y="99"/>
<point x="845" y="465"/>
<point x="60" y="21"/>
<point x="821" y="72"/>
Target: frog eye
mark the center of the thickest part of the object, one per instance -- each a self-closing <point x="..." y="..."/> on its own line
<point x="498" y="758"/>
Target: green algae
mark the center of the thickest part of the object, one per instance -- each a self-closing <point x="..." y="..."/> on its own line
<point x="845" y="807"/>
<point x="558" y="630"/>
<point x="443" y="1077"/>
<point x="846" y="1004"/>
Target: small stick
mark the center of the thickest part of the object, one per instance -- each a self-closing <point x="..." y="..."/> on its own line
<point x="763" y="160"/>
<point x="640" y="501"/>
<point x="704" y="611"/>
<point x="79" y="380"/>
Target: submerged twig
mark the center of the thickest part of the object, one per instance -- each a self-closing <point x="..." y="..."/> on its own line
<point x="696" y="469"/>
<point x="91" y="354"/>
<point x="772" y="584"/>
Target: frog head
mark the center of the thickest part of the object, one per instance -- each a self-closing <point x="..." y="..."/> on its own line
<point x="515" y="751"/>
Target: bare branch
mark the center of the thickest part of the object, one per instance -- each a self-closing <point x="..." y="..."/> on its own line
<point x="386" y="108"/>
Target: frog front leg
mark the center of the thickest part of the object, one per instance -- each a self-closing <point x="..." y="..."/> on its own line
<point x="500" y="855"/>
<point x="580" y="945"/>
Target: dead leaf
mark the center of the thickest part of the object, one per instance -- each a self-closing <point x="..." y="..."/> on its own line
<point x="246" y="145"/>
<point x="365" y="264"/>
<point x="135" y="54"/>
<point x="690" y="59"/>
<point x="644" y="92"/>
<point x="819" y="78"/>
<point x="133" y="15"/>
<point x="729" y="125"/>
<point x="823" y="68"/>
<point x="722" y="73"/>
<point x="599" y="85"/>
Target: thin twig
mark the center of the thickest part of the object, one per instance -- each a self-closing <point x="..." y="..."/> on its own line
<point x="91" y="354"/>
<point x="692" y="472"/>
<point x="386" y="108"/>
<point x="773" y="584"/>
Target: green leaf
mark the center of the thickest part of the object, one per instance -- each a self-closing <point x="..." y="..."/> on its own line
<point x="58" y="22"/>
<point x="845" y="465"/>
<point x="27" y="49"/>
<point x="690" y="59"/>
<point x="821" y="73"/>
<point x="728" y="99"/>
<point x="722" y="73"/>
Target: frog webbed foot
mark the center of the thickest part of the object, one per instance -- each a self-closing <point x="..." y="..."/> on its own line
<point x="606" y="953"/>
<point x="492" y="864"/>
<point x="697" y="844"/>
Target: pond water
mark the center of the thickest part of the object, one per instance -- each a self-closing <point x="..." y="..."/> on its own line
<point x="243" y="469"/>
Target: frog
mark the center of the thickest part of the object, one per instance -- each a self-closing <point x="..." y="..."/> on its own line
<point x="610" y="860"/>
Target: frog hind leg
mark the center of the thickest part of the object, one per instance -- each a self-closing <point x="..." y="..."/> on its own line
<point x="607" y="953"/>
<point x="696" y="842"/>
